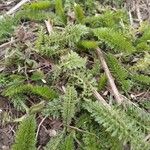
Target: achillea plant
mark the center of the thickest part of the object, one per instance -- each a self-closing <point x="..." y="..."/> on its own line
<point x="25" y="136"/>
<point x="59" y="76"/>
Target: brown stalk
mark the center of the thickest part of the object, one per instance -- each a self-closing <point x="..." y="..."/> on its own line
<point x="5" y="45"/>
<point x="100" y="99"/>
<point x="15" y="8"/>
<point x="109" y="76"/>
<point x="138" y="12"/>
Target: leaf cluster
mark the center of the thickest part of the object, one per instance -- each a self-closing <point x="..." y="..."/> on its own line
<point x="67" y="86"/>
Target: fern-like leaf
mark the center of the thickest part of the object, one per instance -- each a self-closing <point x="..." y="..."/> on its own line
<point x="40" y="5"/>
<point x="72" y="61"/>
<point x="84" y="80"/>
<point x="60" y="11"/>
<point x="143" y="46"/>
<point x="53" y="108"/>
<point x="142" y="64"/>
<point x="109" y="19"/>
<point x="143" y="79"/>
<point x="69" y="105"/>
<point x="118" y="124"/>
<point x="42" y="91"/>
<point x="7" y="26"/>
<point x="88" y="44"/>
<point x="146" y="36"/>
<point x="102" y="82"/>
<point x="55" y="142"/>
<point x="119" y="72"/>
<point x="90" y="142"/>
<point x="114" y="39"/>
<point x="68" y="143"/>
<point x="140" y="116"/>
<point x="54" y="43"/>
<point x="79" y="13"/>
<point x="34" y="15"/>
<point x="25" y="136"/>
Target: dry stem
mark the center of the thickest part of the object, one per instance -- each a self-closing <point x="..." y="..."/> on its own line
<point x="109" y="76"/>
<point x="15" y="8"/>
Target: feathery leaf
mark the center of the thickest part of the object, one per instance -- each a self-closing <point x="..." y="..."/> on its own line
<point x="25" y="136"/>
<point x="118" y="124"/>
<point x="114" y="40"/>
<point x="79" y="13"/>
<point x="69" y="104"/>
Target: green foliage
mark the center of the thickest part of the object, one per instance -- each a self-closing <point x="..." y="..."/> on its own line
<point x="87" y="44"/>
<point x="95" y="70"/>
<point x="36" y="108"/>
<point x="40" y="5"/>
<point x="70" y="100"/>
<point x="102" y="140"/>
<point x="102" y="82"/>
<point x="69" y="4"/>
<point x="36" y="11"/>
<point x="68" y="143"/>
<point x="79" y="13"/>
<point x="85" y="80"/>
<point x="117" y="3"/>
<point x="109" y="19"/>
<point x="60" y="11"/>
<point x="72" y="61"/>
<point x="143" y="79"/>
<point x="25" y="136"/>
<point x="37" y="75"/>
<point x="115" y="40"/>
<point x="120" y="73"/>
<point x="7" y="26"/>
<point x="69" y="60"/>
<point x="3" y="80"/>
<point x="143" y="46"/>
<point x="14" y="57"/>
<point x="140" y="116"/>
<point x="145" y="104"/>
<point x="18" y="101"/>
<point x="34" y="15"/>
<point x="118" y="124"/>
<point x="7" y="81"/>
<point x="53" y="44"/>
<point x="90" y="138"/>
<point x="42" y="91"/>
<point x="88" y="6"/>
<point x="53" y="108"/>
<point x="73" y="34"/>
<point x="146" y="35"/>
<point x="108" y="142"/>
<point x="90" y="142"/>
<point x="55" y="142"/>
<point x="142" y="64"/>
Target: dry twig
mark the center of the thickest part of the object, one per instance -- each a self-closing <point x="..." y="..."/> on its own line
<point x="138" y="11"/>
<point x="5" y="45"/>
<point x="109" y="76"/>
<point x="39" y="126"/>
<point x="15" y="8"/>
<point x="100" y="98"/>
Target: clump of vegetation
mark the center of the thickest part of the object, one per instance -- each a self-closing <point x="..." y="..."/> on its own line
<point x="56" y="74"/>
